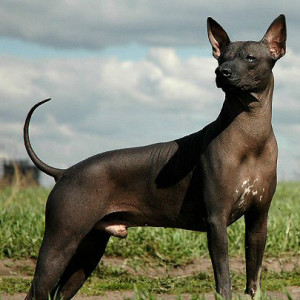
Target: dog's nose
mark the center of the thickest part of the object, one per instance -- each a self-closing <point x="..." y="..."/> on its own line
<point x="226" y="72"/>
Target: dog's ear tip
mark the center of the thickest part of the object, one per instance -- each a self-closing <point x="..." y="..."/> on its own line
<point x="210" y="20"/>
<point x="281" y="18"/>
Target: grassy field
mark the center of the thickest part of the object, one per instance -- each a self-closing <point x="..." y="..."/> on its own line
<point x="22" y="225"/>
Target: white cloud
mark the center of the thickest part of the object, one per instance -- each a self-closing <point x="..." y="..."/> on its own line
<point x="97" y="24"/>
<point x="102" y="104"/>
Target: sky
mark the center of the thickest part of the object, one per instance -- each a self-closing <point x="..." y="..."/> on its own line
<point x="124" y="73"/>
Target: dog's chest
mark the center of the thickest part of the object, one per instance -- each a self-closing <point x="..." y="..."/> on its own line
<point x="246" y="192"/>
<point x="238" y="184"/>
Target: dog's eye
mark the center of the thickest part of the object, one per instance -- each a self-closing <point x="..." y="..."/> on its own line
<point x="250" y="58"/>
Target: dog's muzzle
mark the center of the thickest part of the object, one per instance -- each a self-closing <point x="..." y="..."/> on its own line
<point x="224" y="77"/>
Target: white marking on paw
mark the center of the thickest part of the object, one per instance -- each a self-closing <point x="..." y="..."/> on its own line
<point x="260" y="198"/>
<point x="254" y="193"/>
<point x="237" y="191"/>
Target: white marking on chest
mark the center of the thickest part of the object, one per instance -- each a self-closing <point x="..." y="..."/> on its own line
<point x="261" y="196"/>
<point x="247" y="190"/>
<point x="245" y="182"/>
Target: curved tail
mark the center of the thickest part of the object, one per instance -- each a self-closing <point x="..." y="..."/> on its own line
<point x="54" y="172"/>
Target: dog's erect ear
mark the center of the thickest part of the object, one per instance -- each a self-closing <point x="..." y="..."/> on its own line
<point x="217" y="37"/>
<point x="275" y="37"/>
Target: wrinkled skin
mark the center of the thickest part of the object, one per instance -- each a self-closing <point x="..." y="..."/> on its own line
<point x="203" y="182"/>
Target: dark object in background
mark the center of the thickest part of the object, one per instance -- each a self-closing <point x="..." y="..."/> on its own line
<point x="20" y="170"/>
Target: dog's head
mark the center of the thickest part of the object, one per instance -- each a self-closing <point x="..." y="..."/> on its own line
<point x="246" y="66"/>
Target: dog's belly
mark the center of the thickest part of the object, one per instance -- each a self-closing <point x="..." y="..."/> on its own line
<point x="118" y="223"/>
<point x="178" y="206"/>
<point x="173" y="210"/>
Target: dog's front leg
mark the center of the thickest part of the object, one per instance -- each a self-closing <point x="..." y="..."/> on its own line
<point x="218" y="250"/>
<point x="255" y="240"/>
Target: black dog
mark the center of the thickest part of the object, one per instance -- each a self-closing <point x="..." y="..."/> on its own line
<point x="203" y="182"/>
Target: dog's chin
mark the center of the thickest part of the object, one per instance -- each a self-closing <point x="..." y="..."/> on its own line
<point x="225" y="85"/>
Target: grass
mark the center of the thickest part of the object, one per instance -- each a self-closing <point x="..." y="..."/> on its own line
<point x="197" y="284"/>
<point x="146" y="296"/>
<point x="21" y="222"/>
<point x="22" y="225"/>
<point x="115" y="280"/>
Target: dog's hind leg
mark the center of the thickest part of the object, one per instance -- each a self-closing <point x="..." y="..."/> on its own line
<point x="84" y="261"/>
<point x="56" y="251"/>
<point x="68" y="223"/>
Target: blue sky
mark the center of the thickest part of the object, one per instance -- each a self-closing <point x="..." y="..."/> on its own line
<point x="128" y="73"/>
<point x="132" y="51"/>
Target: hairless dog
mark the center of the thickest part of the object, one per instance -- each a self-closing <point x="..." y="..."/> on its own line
<point x="203" y="182"/>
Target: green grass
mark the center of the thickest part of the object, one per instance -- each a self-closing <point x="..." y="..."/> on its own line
<point x="22" y="225"/>
<point x="140" y="295"/>
<point x="117" y="280"/>
<point x="21" y="221"/>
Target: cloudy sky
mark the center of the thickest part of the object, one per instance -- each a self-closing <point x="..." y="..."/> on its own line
<point x="124" y="73"/>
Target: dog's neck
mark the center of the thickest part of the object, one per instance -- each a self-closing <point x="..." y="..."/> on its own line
<point x="251" y="113"/>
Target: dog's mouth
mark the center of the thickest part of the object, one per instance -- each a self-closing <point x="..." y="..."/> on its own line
<point x="226" y="83"/>
<point x="232" y="83"/>
<point x="228" y="80"/>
